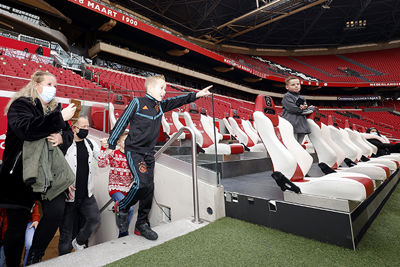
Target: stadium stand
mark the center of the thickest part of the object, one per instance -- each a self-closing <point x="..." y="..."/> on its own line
<point x="265" y="160"/>
<point x="16" y="71"/>
<point x="379" y="66"/>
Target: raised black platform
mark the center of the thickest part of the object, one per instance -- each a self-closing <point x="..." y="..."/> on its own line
<point x="252" y="195"/>
<point x="256" y="198"/>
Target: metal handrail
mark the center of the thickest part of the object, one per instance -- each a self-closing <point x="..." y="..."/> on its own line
<point x="194" y="171"/>
<point x="194" y="168"/>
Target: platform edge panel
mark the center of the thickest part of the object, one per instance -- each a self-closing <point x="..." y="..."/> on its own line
<point x="321" y="202"/>
<point x="335" y="221"/>
<point x="369" y="212"/>
<point x="312" y="222"/>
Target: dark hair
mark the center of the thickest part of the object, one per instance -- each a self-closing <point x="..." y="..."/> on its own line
<point x="373" y="128"/>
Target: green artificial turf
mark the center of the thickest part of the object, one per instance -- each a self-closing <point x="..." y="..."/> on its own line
<point x="230" y="242"/>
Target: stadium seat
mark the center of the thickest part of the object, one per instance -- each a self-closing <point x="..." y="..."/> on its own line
<point x="292" y="161"/>
<point x="249" y="139"/>
<point x="327" y="154"/>
<point x="169" y="124"/>
<point x="228" y="126"/>
<point x="204" y="133"/>
<point x="351" y="151"/>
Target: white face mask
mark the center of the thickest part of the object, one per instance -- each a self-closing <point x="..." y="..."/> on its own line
<point x="375" y="133"/>
<point x="48" y="93"/>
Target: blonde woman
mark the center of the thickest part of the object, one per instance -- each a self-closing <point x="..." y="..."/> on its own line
<point x="33" y="114"/>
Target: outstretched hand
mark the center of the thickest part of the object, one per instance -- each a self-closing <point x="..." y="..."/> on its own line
<point x="204" y="92"/>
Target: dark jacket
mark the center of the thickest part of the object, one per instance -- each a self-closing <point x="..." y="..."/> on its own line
<point x="144" y="117"/>
<point x="45" y="168"/>
<point x="26" y="122"/>
<point x="292" y="112"/>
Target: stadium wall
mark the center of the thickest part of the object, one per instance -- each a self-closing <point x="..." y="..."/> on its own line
<point x="23" y="46"/>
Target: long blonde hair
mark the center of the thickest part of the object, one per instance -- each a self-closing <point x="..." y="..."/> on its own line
<point x="30" y="91"/>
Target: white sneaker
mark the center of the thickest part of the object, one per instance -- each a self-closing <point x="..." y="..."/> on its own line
<point x="76" y="246"/>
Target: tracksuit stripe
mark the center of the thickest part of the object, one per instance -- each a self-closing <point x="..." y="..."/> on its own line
<point x="175" y="97"/>
<point x="146" y="116"/>
<point x="132" y="192"/>
<point x="122" y="121"/>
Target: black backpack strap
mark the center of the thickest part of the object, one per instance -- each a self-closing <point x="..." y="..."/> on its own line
<point x="90" y="143"/>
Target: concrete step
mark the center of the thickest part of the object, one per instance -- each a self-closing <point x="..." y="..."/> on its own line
<point x="116" y="249"/>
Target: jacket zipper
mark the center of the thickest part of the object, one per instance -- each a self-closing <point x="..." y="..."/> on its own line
<point x="46" y="182"/>
<point x="15" y="163"/>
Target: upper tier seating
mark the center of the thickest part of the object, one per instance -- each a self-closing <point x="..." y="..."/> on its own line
<point x="372" y="66"/>
<point x="124" y="83"/>
<point x="385" y="61"/>
<point x="15" y="73"/>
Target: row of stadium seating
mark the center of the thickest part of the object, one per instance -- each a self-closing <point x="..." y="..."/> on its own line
<point x="72" y="85"/>
<point x="120" y="82"/>
<point x="385" y="128"/>
<point x="379" y="66"/>
<point x="290" y="161"/>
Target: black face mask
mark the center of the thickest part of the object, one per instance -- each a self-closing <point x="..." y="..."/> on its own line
<point x="82" y="133"/>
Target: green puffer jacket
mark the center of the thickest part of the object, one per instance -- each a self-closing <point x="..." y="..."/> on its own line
<point x="45" y="168"/>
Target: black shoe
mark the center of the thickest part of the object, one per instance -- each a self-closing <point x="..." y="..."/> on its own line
<point x="34" y="257"/>
<point x="121" y="218"/>
<point x="145" y="231"/>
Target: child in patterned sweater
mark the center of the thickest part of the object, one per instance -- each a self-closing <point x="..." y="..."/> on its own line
<point x="120" y="177"/>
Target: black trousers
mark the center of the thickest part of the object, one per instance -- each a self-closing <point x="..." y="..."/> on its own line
<point x="85" y="208"/>
<point x="14" y="239"/>
<point x="142" y="168"/>
<point x="52" y="216"/>
<point x="17" y="219"/>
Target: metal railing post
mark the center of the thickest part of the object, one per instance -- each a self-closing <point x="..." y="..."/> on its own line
<point x="104" y="119"/>
<point x="196" y="212"/>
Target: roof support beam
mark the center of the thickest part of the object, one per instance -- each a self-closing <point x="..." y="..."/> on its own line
<point x="307" y="31"/>
<point x="271" y="20"/>
<point x="207" y="13"/>
<point x="249" y="14"/>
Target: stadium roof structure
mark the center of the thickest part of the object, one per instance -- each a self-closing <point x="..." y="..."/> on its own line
<point x="288" y="24"/>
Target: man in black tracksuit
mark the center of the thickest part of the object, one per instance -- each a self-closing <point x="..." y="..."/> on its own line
<point x="144" y="117"/>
